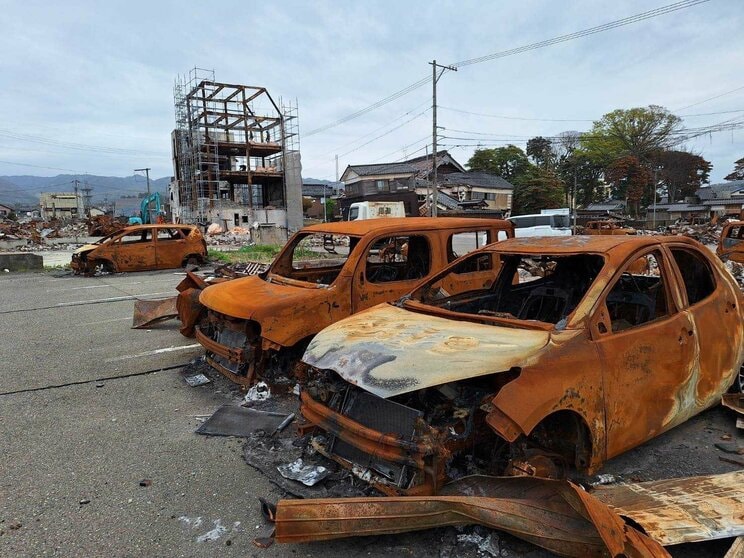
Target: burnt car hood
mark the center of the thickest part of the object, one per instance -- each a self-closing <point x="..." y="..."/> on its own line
<point x="389" y="351"/>
<point x="86" y="248"/>
<point x="286" y="313"/>
<point x="252" y="298"/>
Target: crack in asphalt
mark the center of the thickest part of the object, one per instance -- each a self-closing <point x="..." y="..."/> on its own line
<point x="103" y="379"/>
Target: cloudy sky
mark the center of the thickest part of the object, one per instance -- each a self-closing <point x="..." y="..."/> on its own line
<point x="88" y="86"/>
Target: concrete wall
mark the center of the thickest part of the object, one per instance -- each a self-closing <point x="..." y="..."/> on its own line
<point x="293" y="182"/>
<point x="21" y="261"/>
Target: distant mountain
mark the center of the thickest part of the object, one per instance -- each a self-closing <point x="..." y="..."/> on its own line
<point x="26" y="189"/>
<point x="339" y="185"/>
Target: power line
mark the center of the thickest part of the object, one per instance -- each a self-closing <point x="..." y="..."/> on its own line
<point x="419" y="115"/>
<point x="503" y="54"/>
<point x="663" y="10"/>
<point x="518" y="117"/>
<point x="710" y="98"/>
<point x="69" y="145"/>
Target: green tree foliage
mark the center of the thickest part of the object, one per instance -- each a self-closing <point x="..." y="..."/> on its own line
<point x="630" y="180"/>
<point x="509" y="162"/>
<point x="537" y="189"/>
<point x="636" y="132"/>
<point x="680" y="173"/>
<point x="330" y="208"/>
<point x="738" y="173"/>
<point x="541" y="151"/>
<point x="581" y="177"/>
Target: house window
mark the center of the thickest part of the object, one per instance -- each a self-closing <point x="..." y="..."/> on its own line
<point x="381" y="185"/>
<point x="491" y="196"/>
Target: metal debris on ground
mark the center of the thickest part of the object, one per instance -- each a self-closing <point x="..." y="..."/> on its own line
<point x="258" y="392"/>
<point x="149" y="312"/>
<point x="685" y="510"/>
<point x="556" y="515"/>
<point x="197" y="380"/>
<point x="309" y="475"/>
<point x="707" y="233"/>
<point x="233" y="420"/>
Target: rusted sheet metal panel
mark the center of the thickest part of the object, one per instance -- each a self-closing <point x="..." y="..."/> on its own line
<point x="607" y="227"/>
<point x="683" y="510"/>
<point x="149" y="312"/>
<point x="392" y="351"/>
<point x="734" y="401"/>
<point x="557" y="516"/>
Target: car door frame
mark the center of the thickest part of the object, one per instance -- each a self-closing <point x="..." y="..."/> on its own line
<point x="360" y="290"/>
<point x="635" y="371"/>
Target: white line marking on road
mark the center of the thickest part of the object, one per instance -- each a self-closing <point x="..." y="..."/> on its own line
<point x="77" y="288"/>
<point x="155" y="352"/>
<point x="105" y="321"/>
<point x="111" y="299"/>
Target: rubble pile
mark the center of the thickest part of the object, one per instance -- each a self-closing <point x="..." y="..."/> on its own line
<point x="36" y="234"/>
<point x="706" y="234"/>
<point x="240" y="269"/>
<point x="737" y="270"/>
<point x="104" y="225"/>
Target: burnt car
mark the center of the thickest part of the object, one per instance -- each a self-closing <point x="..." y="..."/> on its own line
<point x="606" y="227"/>
<point x="142" y="248"/>
<point x="541" y="356"/>
<point x="731" y="243"/>
<point x="259" y="326"/>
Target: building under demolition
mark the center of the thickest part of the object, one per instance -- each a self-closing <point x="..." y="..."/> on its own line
<point x="236" y="158"/>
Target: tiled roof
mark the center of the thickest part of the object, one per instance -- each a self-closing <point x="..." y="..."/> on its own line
<point x="383" y="168"/>
<point x="479" y="179"/>
<point x="720" y="191"/>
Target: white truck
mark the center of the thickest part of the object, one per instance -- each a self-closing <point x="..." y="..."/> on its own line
<point x="376" y="210"/>
<point x="549" y="222"/>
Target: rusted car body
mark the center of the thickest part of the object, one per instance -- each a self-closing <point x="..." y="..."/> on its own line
<point x="260" y="325"/>
<point x="606" y="227"/>
<point x="731" y="244"/>
<point x="527" y="373"/>
<point x="142" y="248"/>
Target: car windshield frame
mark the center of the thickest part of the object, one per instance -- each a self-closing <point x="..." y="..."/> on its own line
<point x="281" y="268"/>
<point x="415" y="300"/>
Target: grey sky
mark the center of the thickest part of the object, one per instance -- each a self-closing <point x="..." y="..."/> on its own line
<point x="100" y="74"/>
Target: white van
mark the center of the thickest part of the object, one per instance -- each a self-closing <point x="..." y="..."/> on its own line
<point x="376" y="210"/>
<point x="549" y="222"/>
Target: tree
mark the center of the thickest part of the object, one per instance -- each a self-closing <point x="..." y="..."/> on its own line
<point x="582" y="173"/>
<point x="509" y="162"/>
<point x="680" y="173"/>
<point x="536" y="189"/>
<point x="630" y="181"/>
<point x="738" y="173"/>
<point x="307" y="203"/>
<point x="541" y="151"/>
<point x="330" y="208"/>
<point x="636" y="132"/>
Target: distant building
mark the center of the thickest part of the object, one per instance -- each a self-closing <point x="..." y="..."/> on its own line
<point x="5" y="210"/>
<point x="413" y="178"/>
<point x="236" y="158"/>
<point x="61" y="205"/>
<point x="380" y="182"/>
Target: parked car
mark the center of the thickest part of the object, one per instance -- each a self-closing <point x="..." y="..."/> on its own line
<point x="141" y="248"/>
<point x="530" y="356"/>
<point x="257" y="326"/>
<point x="606" y="227"/>
<point x="542" y="224"/>
<point x="731" y="243"/>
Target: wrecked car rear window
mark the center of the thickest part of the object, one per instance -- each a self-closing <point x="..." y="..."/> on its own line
<point x="543" y="288"/>
<point x="315" y="257"/>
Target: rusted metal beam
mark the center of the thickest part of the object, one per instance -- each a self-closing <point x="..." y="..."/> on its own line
<point x="555" y="515"/>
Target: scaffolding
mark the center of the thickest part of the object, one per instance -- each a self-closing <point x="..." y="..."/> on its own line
<point x="230" y="145"/>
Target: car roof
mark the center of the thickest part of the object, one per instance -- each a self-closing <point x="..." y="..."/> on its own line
<point x="405" y="224"/>
<point x="157" y="226"/>
<point x="610" y="245"/>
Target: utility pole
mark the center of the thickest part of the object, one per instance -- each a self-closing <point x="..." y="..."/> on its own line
<point x="336" y="168"/>
<point x="147" y="174"/>
<point x="76" y="182"/>
<point x="435" y="79"/>
<point x="574" y="200"/>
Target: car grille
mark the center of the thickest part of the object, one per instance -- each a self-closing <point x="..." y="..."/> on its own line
<point x="382" y="416"/>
